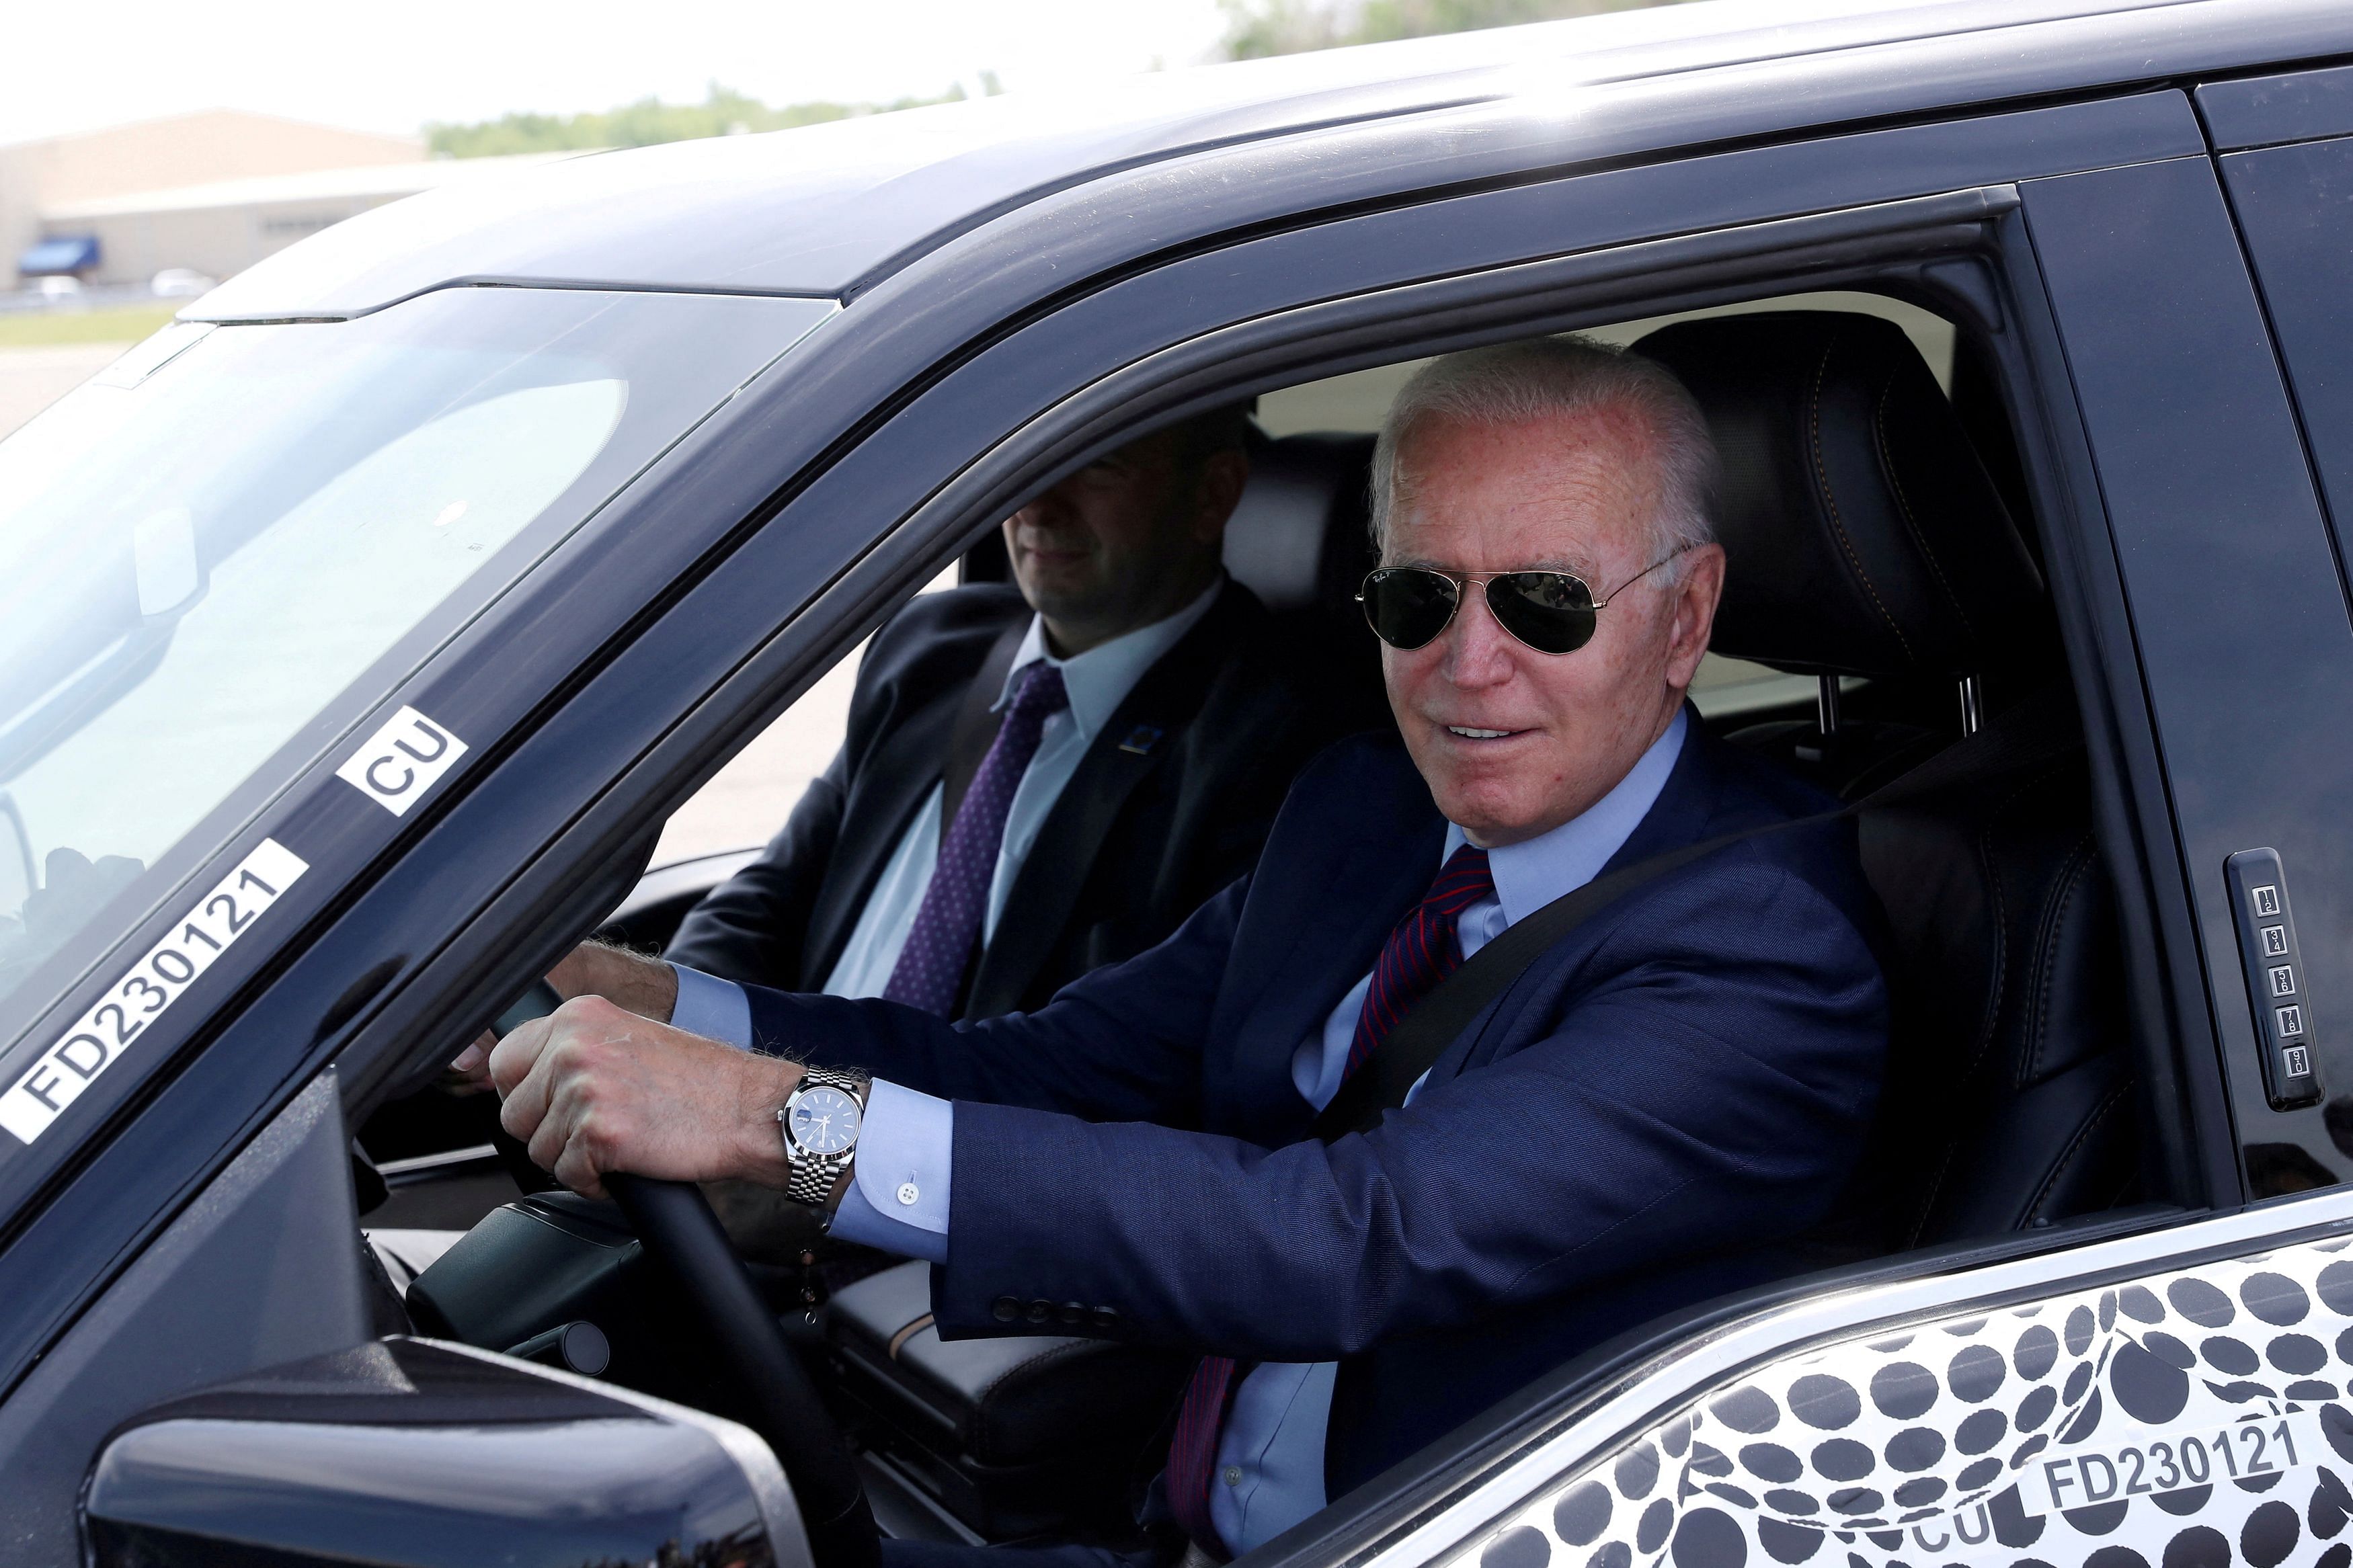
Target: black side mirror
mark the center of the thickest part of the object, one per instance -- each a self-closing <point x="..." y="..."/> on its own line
<point x="418" y="1454"/>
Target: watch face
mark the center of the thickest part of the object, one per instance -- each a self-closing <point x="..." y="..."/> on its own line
<point x="824" y="1121"/>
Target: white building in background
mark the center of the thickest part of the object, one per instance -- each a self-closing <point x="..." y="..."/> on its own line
<point x="213" y="191"/>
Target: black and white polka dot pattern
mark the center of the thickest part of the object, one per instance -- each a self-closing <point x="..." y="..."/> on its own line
<point x="1911" y="1449"/>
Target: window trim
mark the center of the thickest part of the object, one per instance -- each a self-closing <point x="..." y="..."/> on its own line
<point x="386" y="970"/>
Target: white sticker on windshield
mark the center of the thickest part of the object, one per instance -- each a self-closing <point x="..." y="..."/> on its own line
<point x="135" y="1001"/>
<point x="402" y="761"/>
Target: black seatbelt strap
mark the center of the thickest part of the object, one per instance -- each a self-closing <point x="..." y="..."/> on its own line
<point x="977" y="722"/>
<point x="1436" y="1021"/>
<point x="2041" y="726"/>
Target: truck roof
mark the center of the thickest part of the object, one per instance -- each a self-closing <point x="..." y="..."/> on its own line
<point x="831" y="210"/>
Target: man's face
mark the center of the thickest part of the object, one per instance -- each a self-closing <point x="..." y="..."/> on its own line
<point x="1125" y="542"/>
<point x="1515" y="742"/>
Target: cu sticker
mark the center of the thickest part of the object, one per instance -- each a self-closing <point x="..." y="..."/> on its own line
<point x="402" y="761"/>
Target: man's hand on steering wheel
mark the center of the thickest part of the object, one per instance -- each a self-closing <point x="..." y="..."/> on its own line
<point x="593" y="1088"/>
<point x="646" y="986"/>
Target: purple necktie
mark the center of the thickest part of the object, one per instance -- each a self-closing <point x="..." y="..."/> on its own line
<point x="1423" y="950"/>
<point x="930" y="971"/>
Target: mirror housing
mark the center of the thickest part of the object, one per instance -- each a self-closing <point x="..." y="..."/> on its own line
<point x="411" y="1453"/>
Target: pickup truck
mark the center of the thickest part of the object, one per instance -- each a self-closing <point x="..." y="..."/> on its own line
<point x="360" y="632"/>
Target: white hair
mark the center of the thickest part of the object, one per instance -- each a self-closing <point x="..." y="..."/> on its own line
<point x="1543" y="378"/>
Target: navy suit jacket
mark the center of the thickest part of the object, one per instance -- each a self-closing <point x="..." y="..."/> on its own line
<point x="1648" y="1117"/>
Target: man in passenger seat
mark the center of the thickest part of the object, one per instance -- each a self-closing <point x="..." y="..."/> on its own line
<point x="1045" y="776"/>
<point x="1668" y="1095"/>
<point x="1038" y="777"/>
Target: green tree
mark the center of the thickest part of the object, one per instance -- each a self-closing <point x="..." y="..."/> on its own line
<point x="1257" y="28"/>
<point x="722" y="112"/>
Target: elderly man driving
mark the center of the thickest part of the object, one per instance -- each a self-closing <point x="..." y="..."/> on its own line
<point x="1649" y="1115"/>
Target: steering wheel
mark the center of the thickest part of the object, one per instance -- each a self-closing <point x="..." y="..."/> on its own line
<point x="674" y="1222"/>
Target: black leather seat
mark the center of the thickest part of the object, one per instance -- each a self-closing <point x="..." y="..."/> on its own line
<point x="1014" y="1437"/>
<point x="1864" y="537"/>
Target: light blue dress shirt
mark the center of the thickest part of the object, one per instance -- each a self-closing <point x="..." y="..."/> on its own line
<point x="1097" y="682"/>
<point x="1271" y="1453"/>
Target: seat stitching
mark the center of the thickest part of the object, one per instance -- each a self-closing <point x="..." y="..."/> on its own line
<point x="1829" y="501"/>
<point x="910" y="1332"/>
<point x="1989" y="1023"/>
<point x="2000" y="912"/>
<point x="984" y="1428"/>
<point x="1904" y="509"/>
<point x="1928" y="1198"/>
<point x="2046" y="963"/>
<point x="2075" y="1144"/>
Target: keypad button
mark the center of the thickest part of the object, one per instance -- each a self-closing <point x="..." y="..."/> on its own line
<point x="2276" y="981"/>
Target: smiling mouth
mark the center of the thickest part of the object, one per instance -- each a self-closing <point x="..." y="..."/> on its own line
<point x="1469" y="733"/>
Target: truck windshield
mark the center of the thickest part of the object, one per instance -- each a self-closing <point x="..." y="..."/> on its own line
<point x="223" y="551"/>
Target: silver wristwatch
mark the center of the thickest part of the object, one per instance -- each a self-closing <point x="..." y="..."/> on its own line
<point x="819" y="1122"/>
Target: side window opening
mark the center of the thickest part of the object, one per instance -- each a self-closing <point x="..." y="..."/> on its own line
<point x="1297" y="538"/>
<point x="2009" y="1094"/>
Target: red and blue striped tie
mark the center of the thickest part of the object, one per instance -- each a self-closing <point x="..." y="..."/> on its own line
<point x="1423" y="950"/>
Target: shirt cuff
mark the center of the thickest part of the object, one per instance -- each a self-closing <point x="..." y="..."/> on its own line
<point x="898" y="1197"/>
<point x="714" y="1008"/>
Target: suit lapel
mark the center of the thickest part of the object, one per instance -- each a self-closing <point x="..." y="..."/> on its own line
<point x="890" y="786"/>
<point x="1299" y="951"/>
<point x="1686" y="802"/>
<point x="1679" y="816"/>
<point x="1143" y="730"/>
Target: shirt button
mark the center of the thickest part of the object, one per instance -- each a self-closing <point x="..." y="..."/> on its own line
<point x="1233" y="1475"/>
<point x="907" y="1193"/>
<point x="1041" y="1312"/>
<point x="1004" y="1309"/>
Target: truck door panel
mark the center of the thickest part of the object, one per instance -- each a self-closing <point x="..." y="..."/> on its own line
<point x="2294" y="206"/>
<point x="2237" y="603"/>
<point x="2147" y="1401"/>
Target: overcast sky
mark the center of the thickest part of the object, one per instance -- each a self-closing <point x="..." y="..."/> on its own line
<point x="392" y="68"/>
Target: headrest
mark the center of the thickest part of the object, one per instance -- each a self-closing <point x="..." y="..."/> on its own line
<point x="1297" y="536"/>
<point x="1863" y="536"/>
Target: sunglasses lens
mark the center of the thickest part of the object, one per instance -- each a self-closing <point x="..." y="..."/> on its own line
<point x="1552" y="612"/>
<point x="1408" y="606"/>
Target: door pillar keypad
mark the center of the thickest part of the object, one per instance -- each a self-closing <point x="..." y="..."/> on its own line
<point x="2274" y="971"/>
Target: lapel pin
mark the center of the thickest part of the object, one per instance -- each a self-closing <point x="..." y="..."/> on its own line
<point x="1141" y="740"/>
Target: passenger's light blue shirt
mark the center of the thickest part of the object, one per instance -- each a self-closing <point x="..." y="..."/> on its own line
<point x="1097" y="681"/>
<point x="1271" y="1455"/>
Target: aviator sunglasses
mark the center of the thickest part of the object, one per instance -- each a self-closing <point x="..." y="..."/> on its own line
<point x="1551" y="612"/>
